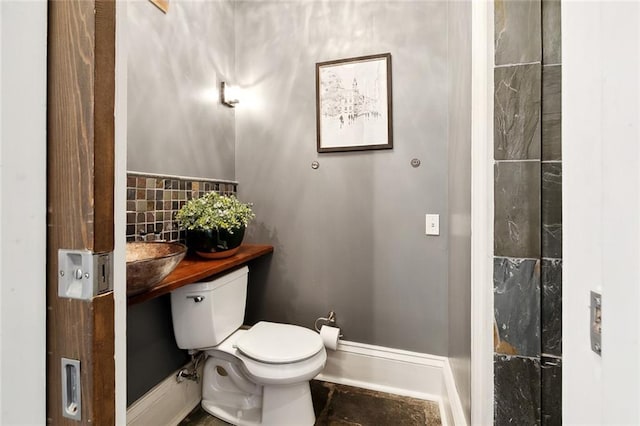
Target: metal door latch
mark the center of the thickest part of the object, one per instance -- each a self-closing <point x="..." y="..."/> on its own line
<point x="83" y="274"/>
<point x="596" y="322"/>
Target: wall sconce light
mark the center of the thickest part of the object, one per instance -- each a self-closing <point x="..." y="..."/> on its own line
<point x="229" y="95"/>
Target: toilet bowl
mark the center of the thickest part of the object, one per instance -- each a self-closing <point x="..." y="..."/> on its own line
<point x="255" y="376"/>
<point x="246" y="391"/>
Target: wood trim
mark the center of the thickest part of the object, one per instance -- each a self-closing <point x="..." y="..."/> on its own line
<point x="104" y="128"/>
<point x="80" y="86"/>
<point x="70" y="147"/>
<point x="193" y="269"/>
<point x="104" y="368"/>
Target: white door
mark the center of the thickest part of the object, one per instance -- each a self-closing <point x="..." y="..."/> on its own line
<point x="23" y="73"/>
<point x="601" y="196"/>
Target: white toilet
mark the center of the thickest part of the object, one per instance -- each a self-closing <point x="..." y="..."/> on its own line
<point x="258" y="376"/>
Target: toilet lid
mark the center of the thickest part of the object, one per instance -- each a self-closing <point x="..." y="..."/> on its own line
<point x="279" y="343"/>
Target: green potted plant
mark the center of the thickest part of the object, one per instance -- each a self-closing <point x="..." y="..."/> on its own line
<point x="215" y="224"/>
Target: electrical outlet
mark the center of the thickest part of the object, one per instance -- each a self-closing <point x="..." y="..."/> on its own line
<point x="432" y="224"/>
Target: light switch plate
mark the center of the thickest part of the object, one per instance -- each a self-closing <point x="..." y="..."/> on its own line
<point x="432" y="224"/>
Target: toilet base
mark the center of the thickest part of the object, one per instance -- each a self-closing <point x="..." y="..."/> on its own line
<point x="229" y="395"/>
<point x="287" y="405"/>
<point x="281" y="405"/>
<point x="231" y="415"/>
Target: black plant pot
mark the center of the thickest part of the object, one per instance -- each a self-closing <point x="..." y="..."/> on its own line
<point x="215" y="243"/>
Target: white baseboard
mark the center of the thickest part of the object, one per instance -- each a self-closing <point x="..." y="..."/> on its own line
<point x="396" y="371"/>
<point x="450" y="391"/>
<point x="166" y="404"/>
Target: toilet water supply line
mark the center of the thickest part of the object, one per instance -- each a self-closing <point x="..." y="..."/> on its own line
<point x="191" y="372"/>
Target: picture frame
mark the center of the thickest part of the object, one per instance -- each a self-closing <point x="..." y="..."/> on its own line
<point x="354" y="104"/>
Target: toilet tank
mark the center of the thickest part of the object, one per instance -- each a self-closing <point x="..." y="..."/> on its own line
<point x="206" y="313"/>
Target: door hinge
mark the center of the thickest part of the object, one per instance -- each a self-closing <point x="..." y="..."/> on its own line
<point x="83" y="274"/>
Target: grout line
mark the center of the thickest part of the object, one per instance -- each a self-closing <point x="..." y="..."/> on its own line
<point x="517" y="161"/>
<point x="533" y="358"/>
<point x="516" y="258"/>
<point x="551" y="356"/>
<point x="201" y="179"/>
<point x="516" y="65"/>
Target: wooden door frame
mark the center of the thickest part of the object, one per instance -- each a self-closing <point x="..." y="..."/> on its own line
<point x="80" y="202"/>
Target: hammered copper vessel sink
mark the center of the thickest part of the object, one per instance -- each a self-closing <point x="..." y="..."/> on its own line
<point x="148" y="263"/>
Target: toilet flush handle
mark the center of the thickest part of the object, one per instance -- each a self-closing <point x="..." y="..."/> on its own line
<point x="196" y="299"/>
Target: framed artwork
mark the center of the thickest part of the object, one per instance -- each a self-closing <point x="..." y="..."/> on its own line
<point x="163" y="5"/>
<point x="353" y="104"/>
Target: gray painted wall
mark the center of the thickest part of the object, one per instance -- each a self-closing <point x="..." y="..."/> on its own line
<point x="350" y="235"/>
<point x="176" y="124"/>
<point x="152" y="353"/>
<point x="459" y="82"/>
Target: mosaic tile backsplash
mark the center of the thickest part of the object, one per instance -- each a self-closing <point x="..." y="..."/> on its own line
<point x="153" y="201"/>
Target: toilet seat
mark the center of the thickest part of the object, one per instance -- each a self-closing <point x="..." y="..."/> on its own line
<point x="266" y="373"/>
<point x="283" y="374"/>
<point x="275" y="343"/>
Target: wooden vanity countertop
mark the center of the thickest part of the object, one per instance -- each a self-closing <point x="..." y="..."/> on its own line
<point x="194" y="268"/>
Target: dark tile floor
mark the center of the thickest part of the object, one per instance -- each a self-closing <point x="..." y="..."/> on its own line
<point x="339" y="405"/>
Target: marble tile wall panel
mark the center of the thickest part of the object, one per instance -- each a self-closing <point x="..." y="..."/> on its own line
<point x="551" y="276"/>
<point x="518" y="35"/>
<point x="552" y="210"/>
<point x="516" y="390"/>
<point x="551" y="395"/>
<point x="551" y="112"/>
<point x="516" y="130"/>
<point x="551" y="307"/>
<point x="516" y="299"/>
<point x="551" y="32"/>
<point x="528" y="212"/>
<point x="517" y="209"/>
